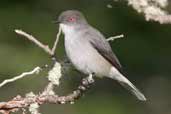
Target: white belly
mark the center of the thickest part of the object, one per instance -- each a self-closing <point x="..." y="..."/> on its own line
<point x="85" y="58"/>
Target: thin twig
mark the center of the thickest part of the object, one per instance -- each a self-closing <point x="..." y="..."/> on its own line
<point x="35" y="41"/>
<point x="46" y="48"/>
<point x="114" y="37"/>
<point x="56" y="41"/>
<point x="34" y="71"/>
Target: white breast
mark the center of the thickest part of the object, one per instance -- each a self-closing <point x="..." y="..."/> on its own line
<point x="77" y="52"/>
<point x="66" y="29"/>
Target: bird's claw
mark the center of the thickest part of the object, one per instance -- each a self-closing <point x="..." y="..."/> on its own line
<point x="90" y="78"/>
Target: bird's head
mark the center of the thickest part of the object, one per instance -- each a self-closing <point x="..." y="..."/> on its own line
<point x="72" y="18"/>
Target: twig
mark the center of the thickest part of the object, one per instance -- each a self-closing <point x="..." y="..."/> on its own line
<point x="46" y="48"/>
<point x="34" y="71"/>
<point x="153" y="10"/>
<point x="114" y="37"/>
<point x="35" y="41"/>
<point x="56" y="41"/>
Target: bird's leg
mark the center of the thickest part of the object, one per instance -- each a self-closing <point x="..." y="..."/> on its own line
<point x="66" y="61"/>
<point x="90" y="78"/>
<point x="66" y="65"/>
<point x="86" y="82"/>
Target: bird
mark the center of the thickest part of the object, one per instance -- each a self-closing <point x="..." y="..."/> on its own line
<point x="89" y="52"/>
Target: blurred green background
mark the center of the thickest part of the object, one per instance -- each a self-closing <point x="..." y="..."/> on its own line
<point x="144" y="52"/>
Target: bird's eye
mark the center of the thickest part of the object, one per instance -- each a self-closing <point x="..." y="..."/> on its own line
<point x="71" y="19"/>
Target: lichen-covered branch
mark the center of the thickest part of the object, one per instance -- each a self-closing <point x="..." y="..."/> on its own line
<point x="153" y="10"/>
<point x="31" y="100"/>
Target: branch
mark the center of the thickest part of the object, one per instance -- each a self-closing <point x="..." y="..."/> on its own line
<point x="152" y="9"/>
<point x="36" y="100"/>
<point x="35" y="41"/>
<point x="46" y="48"/>
<point x="56" y="41"/>
<point x="34" y="71"/>
<point x="114" y="37"/>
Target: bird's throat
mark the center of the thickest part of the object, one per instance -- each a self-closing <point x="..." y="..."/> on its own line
<point x="67" y="30"/>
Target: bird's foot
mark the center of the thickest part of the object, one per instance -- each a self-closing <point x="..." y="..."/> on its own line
<point x="86" y="82"/>
<point x="90" y="78"/>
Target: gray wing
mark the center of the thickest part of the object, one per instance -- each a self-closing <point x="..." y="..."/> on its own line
<point x="98" y="41"/>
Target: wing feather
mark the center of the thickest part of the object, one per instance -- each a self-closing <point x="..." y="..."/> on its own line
<point x="99" y="42"/>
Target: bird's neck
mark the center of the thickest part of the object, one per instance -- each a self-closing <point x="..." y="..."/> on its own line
<point x="70" y="30"/>
<point x="67" y="29"/>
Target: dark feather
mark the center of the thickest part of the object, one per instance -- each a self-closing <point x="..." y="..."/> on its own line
<point x="98" y="41"/>
<point x="109" y="56"/>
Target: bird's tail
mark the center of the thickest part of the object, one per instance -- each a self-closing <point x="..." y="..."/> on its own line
<point x="116" y="75"/>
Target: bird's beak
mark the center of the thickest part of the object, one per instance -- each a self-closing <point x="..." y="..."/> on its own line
<point x="56" y="22"/>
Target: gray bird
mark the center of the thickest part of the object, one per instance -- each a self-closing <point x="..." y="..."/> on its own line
<point x="89" y="51"/>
